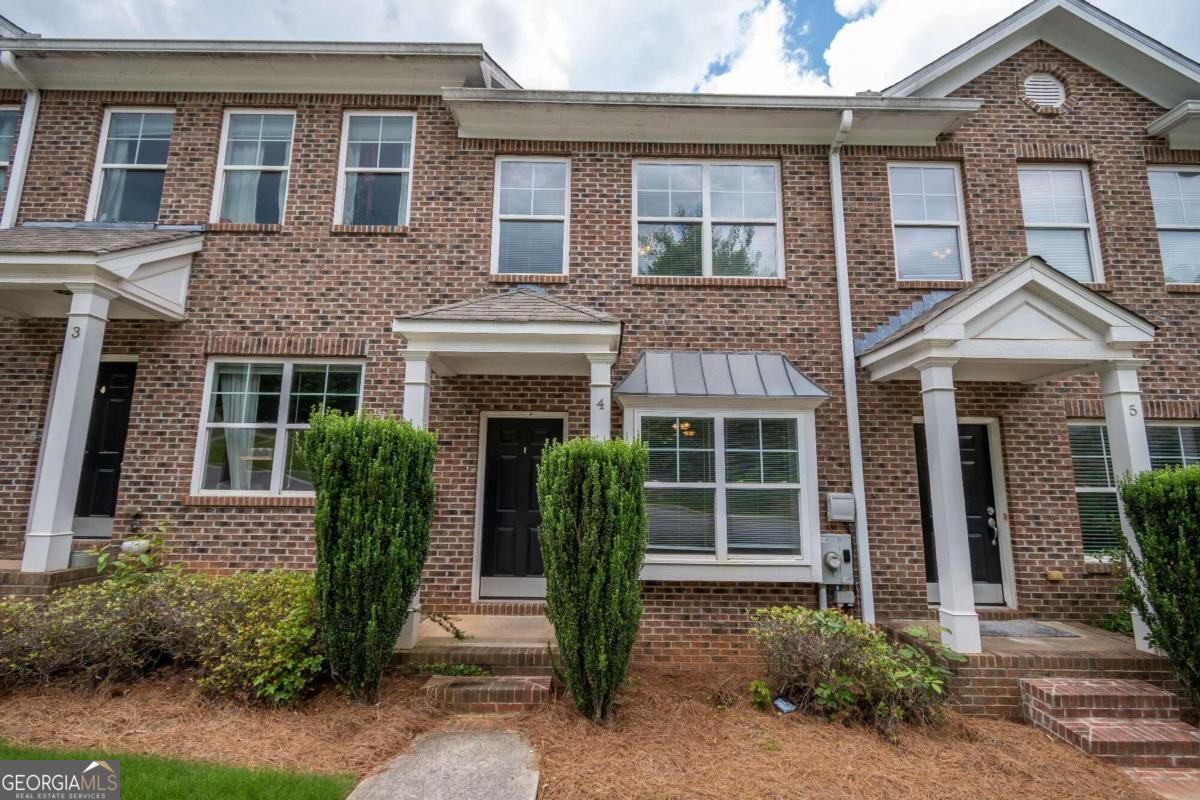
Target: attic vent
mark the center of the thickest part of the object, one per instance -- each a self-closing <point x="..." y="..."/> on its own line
<point x="1043" y="89"/>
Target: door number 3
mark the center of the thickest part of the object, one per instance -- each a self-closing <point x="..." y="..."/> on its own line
<point x="75" y="332"/>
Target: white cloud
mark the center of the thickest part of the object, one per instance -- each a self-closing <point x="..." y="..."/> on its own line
<point x="761" y="63"/>
<point x="852" y="8"/>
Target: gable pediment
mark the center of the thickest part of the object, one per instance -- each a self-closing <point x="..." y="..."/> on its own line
<point x="1034" y="321"/>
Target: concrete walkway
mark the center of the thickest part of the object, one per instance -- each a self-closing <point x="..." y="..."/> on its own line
<point x="457" y="765"/>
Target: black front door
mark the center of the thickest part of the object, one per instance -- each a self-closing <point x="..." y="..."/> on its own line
<point x="105" y="446"/>
<point x="982" y="520"/>
<point x="511" y="557"/>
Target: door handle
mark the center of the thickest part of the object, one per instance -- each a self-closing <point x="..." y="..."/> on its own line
<point x="992" y="524"/>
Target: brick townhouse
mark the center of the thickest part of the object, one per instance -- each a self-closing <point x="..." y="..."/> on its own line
<point x="942" y="318"/>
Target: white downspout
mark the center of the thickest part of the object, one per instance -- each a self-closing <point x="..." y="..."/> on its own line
<point x="849" y="376"/>
<point x="20" y="157"/>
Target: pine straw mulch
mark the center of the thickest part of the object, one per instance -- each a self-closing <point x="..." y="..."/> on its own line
<point x="668" y="741"/>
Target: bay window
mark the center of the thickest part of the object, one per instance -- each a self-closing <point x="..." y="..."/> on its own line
<point x="252" y="414"/>
<point x="375" y="181"/>
<point x="253" y="165"/>
<point x="725" y="485"/>
<point x="707" y="219"/>
<point x="1176" y="196"/>
<point x="132" y="165"/>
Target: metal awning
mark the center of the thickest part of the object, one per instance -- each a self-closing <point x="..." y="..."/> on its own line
<point x="754" y="376"/>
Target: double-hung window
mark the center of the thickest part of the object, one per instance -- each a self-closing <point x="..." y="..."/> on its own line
<point x="8" y="132"/>
<point x="707" y="219"/>
<point x="1096" y="483"/>
<point x="376" y="174"/>
<point x="530" y="221"/>
<point x="1060" y="223"/>
<point x="254" y="410"/>
<point x="928" y="224"/>
<point x="724" y="485"/>
<point x="1176" y="196"/>
<point x="128" y="183"/>
<point x="253" y="165"/>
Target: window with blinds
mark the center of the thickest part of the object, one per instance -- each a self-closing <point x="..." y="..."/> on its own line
<point x="1096" y="484"/>
<point x="927" y="221"/>
<point x="723" y="484"/>
<point x="531" y="216"/>
<point x="1060" y="223"/>
<point x="1176" y="197"/>
<point x="1044" y="89"/>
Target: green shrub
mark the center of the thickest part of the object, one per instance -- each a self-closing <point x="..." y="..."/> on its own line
<point x="1163" y="508"/>
<point x="251" y="636"/>
<point x="829" y="663"/>
<point x="593" y="538"/>
<point x="374" y="488"/>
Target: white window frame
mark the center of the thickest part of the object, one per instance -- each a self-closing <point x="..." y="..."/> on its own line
<point x="340" y="196"/>
<point x="721" y="564"/>
<point x="1159" y="227"/>
<point x="7" y="165"/>
<point x="281" y="425"/>
<point x="1090" y="227"/>
<point x="565" y="217"/>
<point x="93" y="206"/>
<point x="964" y="247"/>
<point x="214" y="214"/>
<point x="706" y="219"/>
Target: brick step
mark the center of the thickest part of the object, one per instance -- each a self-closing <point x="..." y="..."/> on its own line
<point x="496" y="659"/>
<point x="1131" y="742"/>
<point x="1097" y="697"/>
<point x="489" y="694"/>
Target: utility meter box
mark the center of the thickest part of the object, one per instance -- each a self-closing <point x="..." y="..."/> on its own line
<point x="836" y="559"/>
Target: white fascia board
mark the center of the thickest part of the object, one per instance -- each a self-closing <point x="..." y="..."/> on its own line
<point x="719" y="404"/>
<point x="126" y="262"/>
<point x="446" y="327"/>
<point x="1180" y="126"/>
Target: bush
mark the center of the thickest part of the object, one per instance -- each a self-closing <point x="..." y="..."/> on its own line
<point x="374" y="488"/>
<point x="827" y="662"/>
<point x="593" y="538"/>
<point x="250" y="636"/>
<point x="1163" y="508"/>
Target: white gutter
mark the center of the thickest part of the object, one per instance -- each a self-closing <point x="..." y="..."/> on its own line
<point x="20" y="156"/>
<point x="849" y="376"/>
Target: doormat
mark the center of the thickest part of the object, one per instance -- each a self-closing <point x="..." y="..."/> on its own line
<point x="1023" y="629"/>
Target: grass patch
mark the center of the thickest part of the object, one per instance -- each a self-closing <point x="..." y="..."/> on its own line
<point x="1121" y="622"/>
<point x="154" y="778"/>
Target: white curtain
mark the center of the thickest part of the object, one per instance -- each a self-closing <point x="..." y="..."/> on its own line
<point x="239" y="392"/>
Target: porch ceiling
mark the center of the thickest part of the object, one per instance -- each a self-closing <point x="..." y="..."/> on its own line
<point x="1027" y="323"/>
<point x="144" y="269"/>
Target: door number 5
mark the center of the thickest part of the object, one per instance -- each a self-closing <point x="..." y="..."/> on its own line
<point x="1133" y="412"/>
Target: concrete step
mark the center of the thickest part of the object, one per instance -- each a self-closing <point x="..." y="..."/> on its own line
<point x="1131" y="742"/>
<point x="1096" y="697"/>
<point x="489" y="694"/>
<point x="1169" y="784"/>
<point x="495" y="658"/>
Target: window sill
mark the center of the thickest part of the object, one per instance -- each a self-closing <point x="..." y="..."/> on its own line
<point x="249" y="501"/>
<point x="770" y="570"/>
<point x="952" y="285"/>
<point x="243" y="227"/>
<point x="369" y="230"/>
<point x="509" y="277"/>
<point x="1183" y="288"/>
<point x="707" y="280"/>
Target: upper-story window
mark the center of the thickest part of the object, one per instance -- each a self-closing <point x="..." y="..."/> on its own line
<point x="252" y="176"/>
<point x="928" y="222"/>
<point x="1176" y="195"/>
<point x="376" y="169"/>
<point x="707" y="218"/>
<point x="531" y="210"/>
<point x="8" y="132"/>
<point x="128" y="183"/>
<point x="1060" y="223"/>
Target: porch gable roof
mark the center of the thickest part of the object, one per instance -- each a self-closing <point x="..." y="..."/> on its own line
<point x="514" y="305"/>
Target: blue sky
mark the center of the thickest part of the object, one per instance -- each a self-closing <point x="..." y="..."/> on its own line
<point x="736" y="46"/>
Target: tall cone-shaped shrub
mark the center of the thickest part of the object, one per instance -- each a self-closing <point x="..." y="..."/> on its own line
<point x="373" y="479"/>
<point x="593" y="538"/>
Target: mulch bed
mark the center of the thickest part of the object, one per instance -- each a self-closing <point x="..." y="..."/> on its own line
<point x="668" y="741"/>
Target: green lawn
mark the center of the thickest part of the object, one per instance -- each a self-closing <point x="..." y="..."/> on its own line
<point x="154" y="778"/>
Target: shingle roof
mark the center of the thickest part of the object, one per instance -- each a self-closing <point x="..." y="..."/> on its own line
<point x="709" y="374"/>
<point x="515" y="305"/>
<point x="97" y="241"/>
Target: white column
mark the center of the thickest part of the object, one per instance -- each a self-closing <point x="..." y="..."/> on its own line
<point x="956" y="610"/>
<point x="52" y="514"/>
<point x="601" y="394"/>
<point x="1127" y="444"/>
<point x="416" y="387"/>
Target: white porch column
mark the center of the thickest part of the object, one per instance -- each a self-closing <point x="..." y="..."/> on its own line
<point x="956" y="610"/>
<point x="601" y="395"/>
<point x="1127" y="443"/>
<point x="416" y="387"/>
<point x="52" y="513"/>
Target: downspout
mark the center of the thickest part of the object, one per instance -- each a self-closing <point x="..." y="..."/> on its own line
<point x="20" y="157"/>
<point x="849" y="375"/>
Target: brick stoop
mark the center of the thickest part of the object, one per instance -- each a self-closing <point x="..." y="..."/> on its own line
<point x="489" y="694"/>
<point x="496" y="659"/>
<point x="38" y="585"/>
<point x="1170" y="784"/>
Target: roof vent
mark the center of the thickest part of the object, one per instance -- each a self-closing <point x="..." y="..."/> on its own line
<point x="1043" y="89"/>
